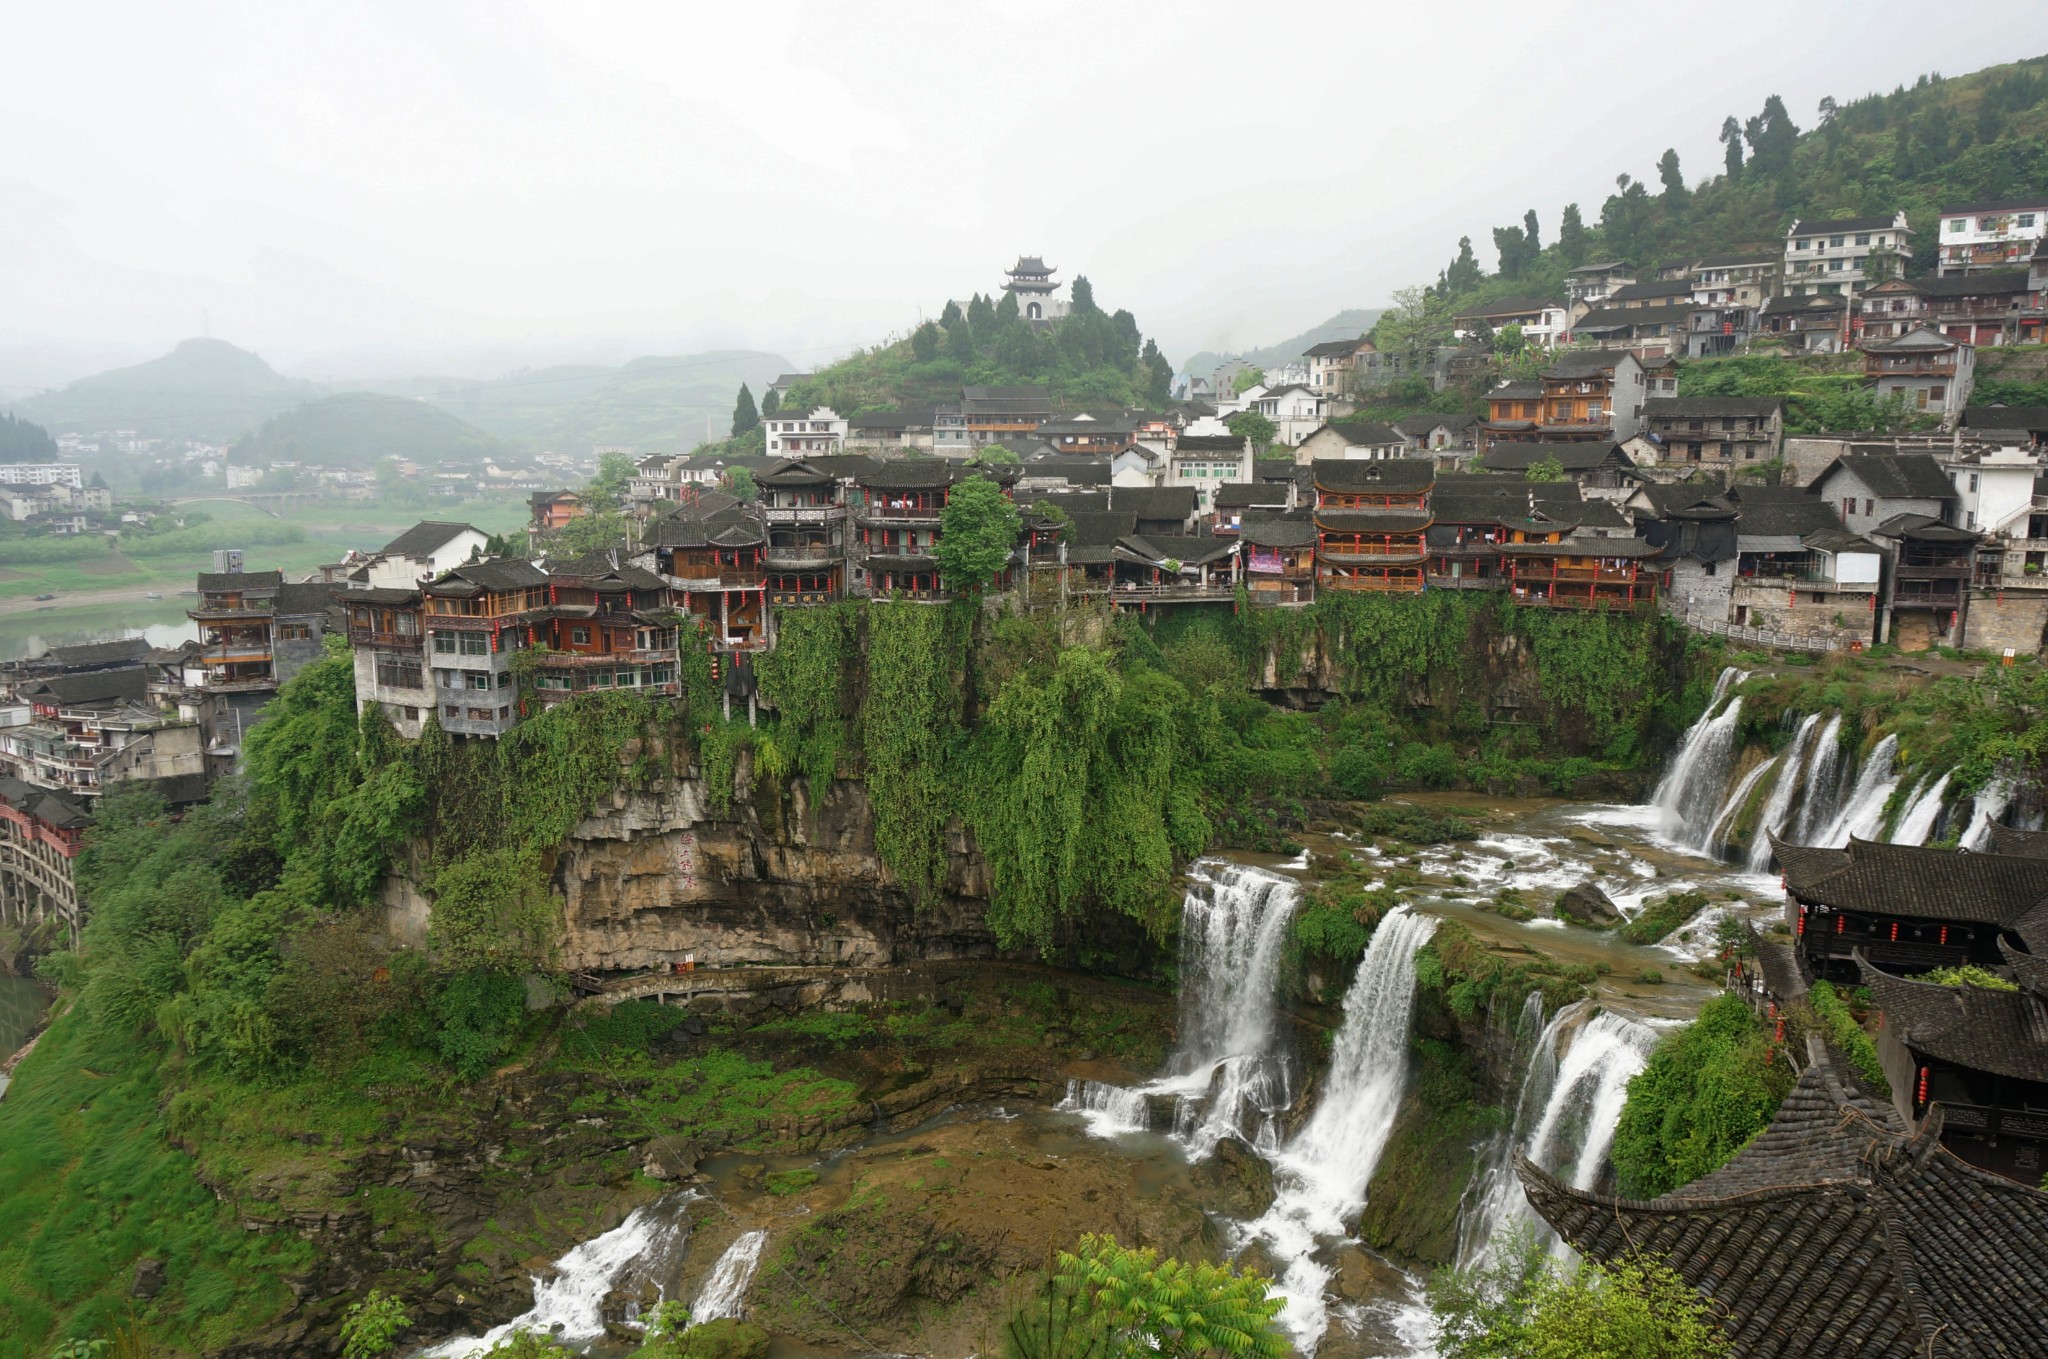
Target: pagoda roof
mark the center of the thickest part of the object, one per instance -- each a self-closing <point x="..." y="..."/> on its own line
<point x="2004" y="1032"/>
<point x="1915" y="881"/>
<point x="1396" y="476"/>
<point x="1373" y="521"/>
<point x="1029" y="264"/>
<point x="1835" y="1235"/>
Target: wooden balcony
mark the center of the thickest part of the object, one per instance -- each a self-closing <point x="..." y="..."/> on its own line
<point x="384" y="641"/>
<point x="1152" y="594"/>
<point x="1402" y="582"/>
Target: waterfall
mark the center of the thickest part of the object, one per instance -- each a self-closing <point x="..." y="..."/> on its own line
<point x="570" y="1306"/>
<point x="724" y="1294"/>
<point x="1691" y="789"/>
<point x="1823" y="785"/>
<point x="1724" y="819"/>
<point x="1916" y="823"/>
<point x="1985" y="809"/>
<point x="1494" y="1198"/>
<point x="1565" y="1119"/>
<point x="1791" y="778"/>
<point x="1862" y="816"/>
<point x="1229" y="1075"/>
<point x="1322" y="1174"/>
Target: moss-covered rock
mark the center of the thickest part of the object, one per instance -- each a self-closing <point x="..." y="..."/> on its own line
<point x="1411" y="1207"/>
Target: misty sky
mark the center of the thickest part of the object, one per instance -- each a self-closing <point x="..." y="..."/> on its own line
<point x="357" y="188"/>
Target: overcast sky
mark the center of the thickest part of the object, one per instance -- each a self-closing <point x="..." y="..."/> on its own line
<point x="355" y="187"/>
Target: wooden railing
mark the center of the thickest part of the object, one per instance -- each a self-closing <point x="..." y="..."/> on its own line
<point x="1737" y="632"/>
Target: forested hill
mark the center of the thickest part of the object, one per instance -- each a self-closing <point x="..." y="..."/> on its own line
<point x="1092" y="359"/>
<point x="21" y="441"/>
<point x="203" y="389"/>
<point x="1938" y="142"/>
<point x="359" y="429"/>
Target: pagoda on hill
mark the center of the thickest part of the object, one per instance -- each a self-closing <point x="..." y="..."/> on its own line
<point x="1031" y="280"/>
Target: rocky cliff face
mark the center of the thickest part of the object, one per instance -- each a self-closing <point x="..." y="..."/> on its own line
<point x="658" y="876"/>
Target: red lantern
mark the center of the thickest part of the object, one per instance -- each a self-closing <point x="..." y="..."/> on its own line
<point x="1841" y="924"/>
<point x="1802" y="922"/>
<point x="1895" y="931"/>
<point x="1922" y="1097"/>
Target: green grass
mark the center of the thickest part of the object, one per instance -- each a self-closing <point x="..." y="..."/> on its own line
<point x="89" y="1185"/>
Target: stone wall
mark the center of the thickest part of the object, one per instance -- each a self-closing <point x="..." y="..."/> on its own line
<point x="1997" y="619"/>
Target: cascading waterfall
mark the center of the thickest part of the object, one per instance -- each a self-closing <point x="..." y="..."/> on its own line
<point x="1322" y="1174"/>
<point x="1229" y="1076"/>
<point x="1916" y="823"/>
<point x="1691" y="789"/>
<point x="1717" y="829"/>
<point x="1495" y="1197"/>
<point x="724" y="1293"/>
<point x="570" y="1306"/>
<point x="1823" y="785"/>
<point x="1862" y="816"/>
<point x="1792" y="777"/>
<point x="1989" y="804"/>
<point x="1565" y="1119"/>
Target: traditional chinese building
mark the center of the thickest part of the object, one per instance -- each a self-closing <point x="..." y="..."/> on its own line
<point x="607" y="624"/>
<point x="476" y="616"/>
<point x="1370" y="518"/>
<point x="805" y="509"/>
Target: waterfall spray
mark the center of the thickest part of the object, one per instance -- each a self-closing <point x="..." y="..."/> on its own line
<point x="1823" y="785"/>
<point x="1862" y="816"/>
<point x="1690" y="790"/>
<point x="1791" y="778"/>
<point x="1916" y="822"/>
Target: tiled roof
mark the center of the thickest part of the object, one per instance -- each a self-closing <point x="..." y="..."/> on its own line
<point x="1073" y="502"/>
<point x="1896" y="476"/>
<point x="1369" y="433"/>
<point x="377" y="595"/>
<point x="2006" y="417"/>
<point x="1373" y="521"/>
<point x="1620" y="318"/>
<point x="1580" y="363"/>
<point x="1514" y="391"/>
<point x="1811" y="302"/>
<point x="1788" y="517"/>
<point x="1577" y="457"/>
<point x="1643" y="292"/>
<point x="214" y="582"/>
<point x="1822" y="228"/>
<point x="503" y="573"/>
<point x="1099" y="528"/>
<point x="424" y="537"/>
<point x="1330" y="348"/>
<point x="309" y="597"/>
<point x="99" y="653"/>
<point x="1278" y="533"/>
<point x="1395" y="476"/>
<point x="1835" y="1236"/>
<point x="795" y="472"/>
<point x="911" y="474"/>
<point x="1209" y="443"/>
<point x="127" y="685"/>
<point x="1154" y="502"/>
<point x="2004" y="1032"/>
<point x="1985" y="284"/>
<point x="1921" y="883"/>
<point x="2021" y="844"/>
<point x="1507" y="306"/>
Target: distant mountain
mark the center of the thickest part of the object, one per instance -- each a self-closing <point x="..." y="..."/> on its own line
<point x="652" y="403"/>
<point x="1345" y="325"/>
<point x="359" y="429"/>
<point x="203" y="389"/>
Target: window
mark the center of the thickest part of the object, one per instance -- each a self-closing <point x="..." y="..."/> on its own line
<point x="412" y="714"/>
<point x="1835" y="266"/>
<point x="475" y="644"/>
<point x="1958" y="224"/>
<point x="1863" y="238"/>
<point x="394" y="672"/>
<point x="2026" y="221"/>
<point x="1799" y="245"/>
<point x="451" y="711"/>
<point x="1848" y="506"/>
<point x="1973" y="487"/>
<point x="504" y="679"/>
<point x="1869" y="507"/>
<point x="477" y="679"/>
<point x="1836" y="240"/>
<point x="444" y="644"/>
<point x="293" y="632"/>
<point x="579" y="636"/>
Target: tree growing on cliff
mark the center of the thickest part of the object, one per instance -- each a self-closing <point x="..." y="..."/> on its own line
<point x="977" y="535"/>
<point x="1528" y="1308"/>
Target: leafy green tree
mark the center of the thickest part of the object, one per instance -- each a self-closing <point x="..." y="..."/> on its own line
<point x="1530" y="1308"/>
<point x="952" y="315"/>
<point x="981" y="313"/>
<point x="607" y="490"/>
<point x="1245" y="381"/>
<point x="1532" y="236"/>
<point x="1083" y="298"/>
<point x="1731" y="140"/>
<point x="1464" y="273"/>
<point x="924" y="343"/>
<point x="1512" y="245"/>
<point x="1571" y="237"/>
<point x="1545" y="469"/>
<point x="977" y="535"/>
<point x="740" y="482"/>
<point x="1007" y="312"/>
<point x="1706" y="1090"/>
<point x="1256" y="427"/>
<point x="1509" y="342"/>
<point x="1671" y="177"/>
<point x="1130" y="1302"/>
<point x="373" y="1325"/>
<point x="525" y="1344"/>
<point x="960" y="342"/>
<point x="744" y="416"/>
<point x="771" y="402"/>
<point x="1417" y="323"/>
<point x="1158" y="385"/>
<point x="996" y="455"/>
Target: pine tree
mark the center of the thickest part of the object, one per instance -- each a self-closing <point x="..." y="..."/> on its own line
<point x="1464" y="272"/>
<point x="771" y="403"/>
<point x="1571" y="237"/>
<point x="1532" y="238"/>
<point x="744" y="416"/>
<point x="1083" y="298"/>
<point x="1672" y="178"/>
<point x="924" y="343"/>
<point x="1731" y="137"/>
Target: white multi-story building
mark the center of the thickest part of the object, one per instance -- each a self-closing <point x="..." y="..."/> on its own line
<point x="1995" y="235"/>
<point x="40" y="474"/>
<point x="1834" y="256"/>
<point x="803" y="434"/>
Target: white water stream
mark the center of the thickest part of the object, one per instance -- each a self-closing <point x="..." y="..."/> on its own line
<point x="1916" y="822"/>
<point x="1229" y="1077"/>
<point x="569" y="1306"/>
<point x="1791" y="781"/>
<point x="724" y="1293"/>
<point x="1322" y="1174"/>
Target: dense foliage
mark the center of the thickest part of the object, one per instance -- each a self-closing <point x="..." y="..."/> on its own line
<point x="1103" y="1300"/>
<point x="21" y="441"/>
<point x="1845" y="1034"/>
<point x="1531" y="1307"/>
<point x="1705" y="1092"/>
<point x="354" y="429"/>
<point x="978" y="535"/>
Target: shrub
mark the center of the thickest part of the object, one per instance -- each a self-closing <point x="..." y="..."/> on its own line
<point x="1705" y="1092"/>
<point x="1659" y="918"/>
<point x="1845" y="1033"/>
